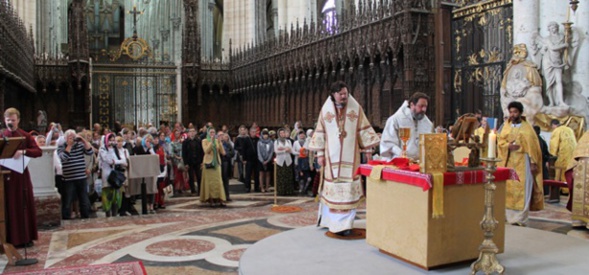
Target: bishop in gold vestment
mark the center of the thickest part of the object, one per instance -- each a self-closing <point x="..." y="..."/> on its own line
<point x="562" y="145"/>
<point x="519" y="148"/>
<point x="579" y="165"/>
<point x="342" y="132"/>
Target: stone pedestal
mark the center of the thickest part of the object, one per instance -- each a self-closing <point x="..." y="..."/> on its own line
<point x="47" y="199"/>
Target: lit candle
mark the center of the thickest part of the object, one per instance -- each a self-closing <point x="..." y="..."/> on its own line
<point x="492" y="142"/>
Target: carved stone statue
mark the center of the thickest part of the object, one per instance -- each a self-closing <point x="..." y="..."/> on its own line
<point x="41" y="121"/>
<point x="522" y="82"/>
<point x="551" y="49"/>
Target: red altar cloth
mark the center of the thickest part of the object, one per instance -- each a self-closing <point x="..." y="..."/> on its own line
<point x="425" y="181"/>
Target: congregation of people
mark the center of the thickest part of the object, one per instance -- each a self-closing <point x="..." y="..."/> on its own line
<point x="193" y="162"/>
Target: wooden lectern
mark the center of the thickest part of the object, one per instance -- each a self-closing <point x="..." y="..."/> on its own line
<point x="8" y="147"/>
<point x="144" y="167"/>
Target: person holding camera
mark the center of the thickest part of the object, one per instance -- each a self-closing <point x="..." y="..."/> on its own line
<point x="53" y="134"/>
<point x="211" y="188"/>
<point x="226" y="159"/>
<point x="73" y="164"/>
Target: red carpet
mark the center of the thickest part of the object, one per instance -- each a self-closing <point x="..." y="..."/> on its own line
<point x="127" y="268"/>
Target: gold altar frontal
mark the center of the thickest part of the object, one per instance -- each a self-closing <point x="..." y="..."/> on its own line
<point x="399" y="222"/>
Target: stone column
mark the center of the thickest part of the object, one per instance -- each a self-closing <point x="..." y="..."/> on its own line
<point x="47" y="200"/>
<point x="178" y="90"/>
<point x="581" y="27"/>
<point x="275" y="18"/>
<point x="525" y="21"/>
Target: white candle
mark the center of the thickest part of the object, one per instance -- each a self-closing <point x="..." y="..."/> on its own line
<point x="491" y="145"/>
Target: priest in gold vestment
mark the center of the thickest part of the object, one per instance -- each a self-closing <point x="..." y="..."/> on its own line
<point x="519" y="148"/>
<point x="342" y="132"/>
<point x="562" y="145"/>
<point x="579" y="166"/>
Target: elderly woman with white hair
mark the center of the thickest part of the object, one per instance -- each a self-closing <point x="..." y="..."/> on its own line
<point x="71" y="154"/>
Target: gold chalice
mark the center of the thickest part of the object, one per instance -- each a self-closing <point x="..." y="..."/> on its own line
<point x="404" y="135"/>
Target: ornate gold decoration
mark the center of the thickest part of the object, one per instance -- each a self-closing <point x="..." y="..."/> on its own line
<point x="507" y="24"/>
<point x="435" y="159"/>
<point x="329" y="117"/>
<point x="458" y="40"/>
<point x="484" y="73"/>
<point x="487" y="261"/>
<point x="479" y="7"/>
<point x="104" y="99"/>
<point x="352" y="116"/>
<point x="577" y="123"/>
<point x="134" y="47"/>
<point x="458" y="81"/>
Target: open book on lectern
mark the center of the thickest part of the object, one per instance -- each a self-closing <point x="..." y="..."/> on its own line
<point x="8" y="147"/>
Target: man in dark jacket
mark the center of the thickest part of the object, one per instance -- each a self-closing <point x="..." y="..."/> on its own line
<point x="192" y="154"/>
<point x="247" y="147"/>
<point x="226" y="161"/>
<point x="546" y="157"/>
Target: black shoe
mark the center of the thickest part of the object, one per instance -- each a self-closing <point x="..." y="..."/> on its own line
<point x="344" y="233"/>
<point x="27" y="245"/>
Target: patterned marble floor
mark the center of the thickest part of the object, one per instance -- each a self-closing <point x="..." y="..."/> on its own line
<point x="190" y="238"/>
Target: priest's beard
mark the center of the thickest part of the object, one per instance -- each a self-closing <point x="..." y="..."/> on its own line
<point x="418" y="116"/>
<point x="340" y="105"/>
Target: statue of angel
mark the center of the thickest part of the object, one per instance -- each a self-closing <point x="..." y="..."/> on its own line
<point x="552" y="53"/>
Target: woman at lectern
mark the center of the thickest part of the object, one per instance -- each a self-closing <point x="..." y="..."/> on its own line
<point x="21" y="221"/>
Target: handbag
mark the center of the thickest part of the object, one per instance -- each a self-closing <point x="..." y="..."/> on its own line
<point x="181" y="166"/>
<point x="98" y="185"/>
<point x="116" y="179"/>
<point x="209" y="166"/>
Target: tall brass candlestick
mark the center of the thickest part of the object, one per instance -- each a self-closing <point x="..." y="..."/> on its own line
<point x="487" y="261"/>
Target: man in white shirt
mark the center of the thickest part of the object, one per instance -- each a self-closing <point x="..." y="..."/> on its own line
<point x="410" y="115"/>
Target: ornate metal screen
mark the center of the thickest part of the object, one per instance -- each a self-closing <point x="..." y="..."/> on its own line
<point x="134" y="94"/>
<point x="481" y="45"/>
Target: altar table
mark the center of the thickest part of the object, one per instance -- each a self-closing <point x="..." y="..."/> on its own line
<point x="399" y="215"/>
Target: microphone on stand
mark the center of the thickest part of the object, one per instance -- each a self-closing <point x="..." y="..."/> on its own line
<point x="9" y="125"/>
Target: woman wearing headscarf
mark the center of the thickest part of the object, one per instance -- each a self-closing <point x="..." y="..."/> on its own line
<point x="284" y="172"/>
<point x="211" y="188"/>
<point x="265" y="154"/>
<point x="179" y="169"/>
<point x="160" y="149"/>
<point x="295" y="132"/>
<point x="109" y="159"/>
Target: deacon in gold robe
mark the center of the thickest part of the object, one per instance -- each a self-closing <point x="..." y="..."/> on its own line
<point x="562" y="145"/>
<point x="342" y="132"/>
<point x="579" y="166"/>
<point x="519" y="148"/>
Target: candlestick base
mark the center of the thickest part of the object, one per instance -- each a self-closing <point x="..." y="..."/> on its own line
<point x="487" y="261"/>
